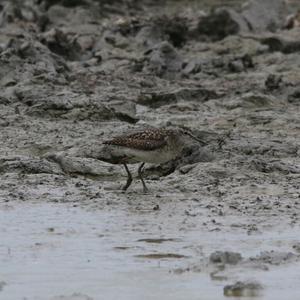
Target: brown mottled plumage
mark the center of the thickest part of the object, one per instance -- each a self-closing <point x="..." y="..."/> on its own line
<point x="148" y="146"/>
<point x="147" y="140"/>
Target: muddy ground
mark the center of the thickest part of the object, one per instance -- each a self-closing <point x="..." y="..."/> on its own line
<point x="222" y="221"/>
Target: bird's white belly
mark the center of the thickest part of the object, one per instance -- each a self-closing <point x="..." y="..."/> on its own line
<point x="154" y="156"/>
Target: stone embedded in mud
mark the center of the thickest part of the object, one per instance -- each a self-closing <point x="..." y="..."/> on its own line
<point x="283" y="43"/>
<point x="250" y="100"/>
<point x="73" y="106"/>
<point x="59" y="43"/>
<point x="192" y="67"/>
<point x="225" y="257"/>
<point x="75" y="296"/>
<point x="80" y="165"/>
<point x="221" y="23"/>
<point x="292" y="20"/>
<point x="68" y="107"/>
<point x="2" y="284"/>
<point x="28" y="165"/>
<point x="157" y="99"/>
<point x="85" y="42"/>
<point x="236" y="66"/>
<point x="70" y="18"/>
<point x="265" y="166"/>
<point x="173" y="29"/>
<point x="192" y="154"/>
<point x="297" y="247"/>
<point x="163" y="61"/>
<point x="240" y="63"/>
<point x="266" y="15"/>
<point x="27" y="62"/>
<point x="186" y="169"/>
<point x="12" y="11"/>
<point x="273" y="82"/>
<point x="257" y="16"/>
<point x="243" y="289"/>
<point x="274" y="257"/>
<point x="124" y="110"/>
<point x="257" y="100"/>
<point x="149" y="36"/>
<point x="294" y="97"/>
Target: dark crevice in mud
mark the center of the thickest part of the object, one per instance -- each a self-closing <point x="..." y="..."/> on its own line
<point x="282" y="45"/>
<point x="161" y="256"/>
<point x="66" y="3"/>
<point x="158" y="240"/>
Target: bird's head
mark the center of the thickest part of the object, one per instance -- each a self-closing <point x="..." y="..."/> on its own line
<point x="186" y="136"/>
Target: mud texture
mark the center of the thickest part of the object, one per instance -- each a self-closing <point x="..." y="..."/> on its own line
<point x="75" y="73"/>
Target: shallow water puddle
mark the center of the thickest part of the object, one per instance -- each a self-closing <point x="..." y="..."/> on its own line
<point x="48" y="250"/>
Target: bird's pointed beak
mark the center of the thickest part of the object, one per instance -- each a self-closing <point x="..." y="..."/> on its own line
<point x="197" y="139"/>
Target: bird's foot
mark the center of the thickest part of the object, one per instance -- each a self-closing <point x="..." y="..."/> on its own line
<point x="146" y="191"/>
<point x="124" y="188"/>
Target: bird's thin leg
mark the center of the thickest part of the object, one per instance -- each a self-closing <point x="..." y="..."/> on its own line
<point x="140" y="174"/>
<point x="129" y="178"/>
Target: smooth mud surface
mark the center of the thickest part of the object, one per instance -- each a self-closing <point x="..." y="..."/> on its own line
<point x="220" y="222"/>
<point x="51" y="250"/>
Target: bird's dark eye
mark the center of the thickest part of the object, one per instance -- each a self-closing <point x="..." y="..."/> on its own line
<point x="185" y="132"/>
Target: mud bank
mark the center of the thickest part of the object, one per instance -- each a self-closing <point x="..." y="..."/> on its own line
<point x="220" y="221"/>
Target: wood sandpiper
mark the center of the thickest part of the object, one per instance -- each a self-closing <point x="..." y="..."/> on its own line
<point x="155" y="146"/>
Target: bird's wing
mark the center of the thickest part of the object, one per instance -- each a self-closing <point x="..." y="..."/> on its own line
<point x="149" y="134"/>
<point x="147" y="140"/>
<point x="138" y="144"/>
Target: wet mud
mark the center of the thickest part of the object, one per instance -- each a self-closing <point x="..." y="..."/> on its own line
<point x="220" y="222"/>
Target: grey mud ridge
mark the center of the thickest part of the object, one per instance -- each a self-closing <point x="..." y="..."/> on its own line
<point x="221" y="221"/>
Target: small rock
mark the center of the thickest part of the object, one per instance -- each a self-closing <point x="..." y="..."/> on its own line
<point x="221" y="23"/>
<point x="243" y="289"/>
<point x="294" y="97"/>
<point x="297" y="247"/>
<point x="172" y="29"/>
<point x="275" y="258"/>
<point x="79" y="165"/>
<point x="225" y="257"/>
<point x="28" y="165"/>
<point x="256" y="100"/>
<point x="273" y="82"/>
<point x="2" y="284"/>
<point x="124" y="110"/>
<point x="192" y="67"/>
<point x="267" y="15"/>
<point x="157" y="99"/>
<point x="156" y="207"/>
<point x="86" y="42"/>
<point x="186" y="169"/>
<point x="281" y="43"/>
<point x="59" y="43"/>
<point x="275" y="166"/>
<point x="164" y="61"/>
<point x="292" y="20"/>
<point x="75" y="296"/>
<point x="236" y="66"/>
